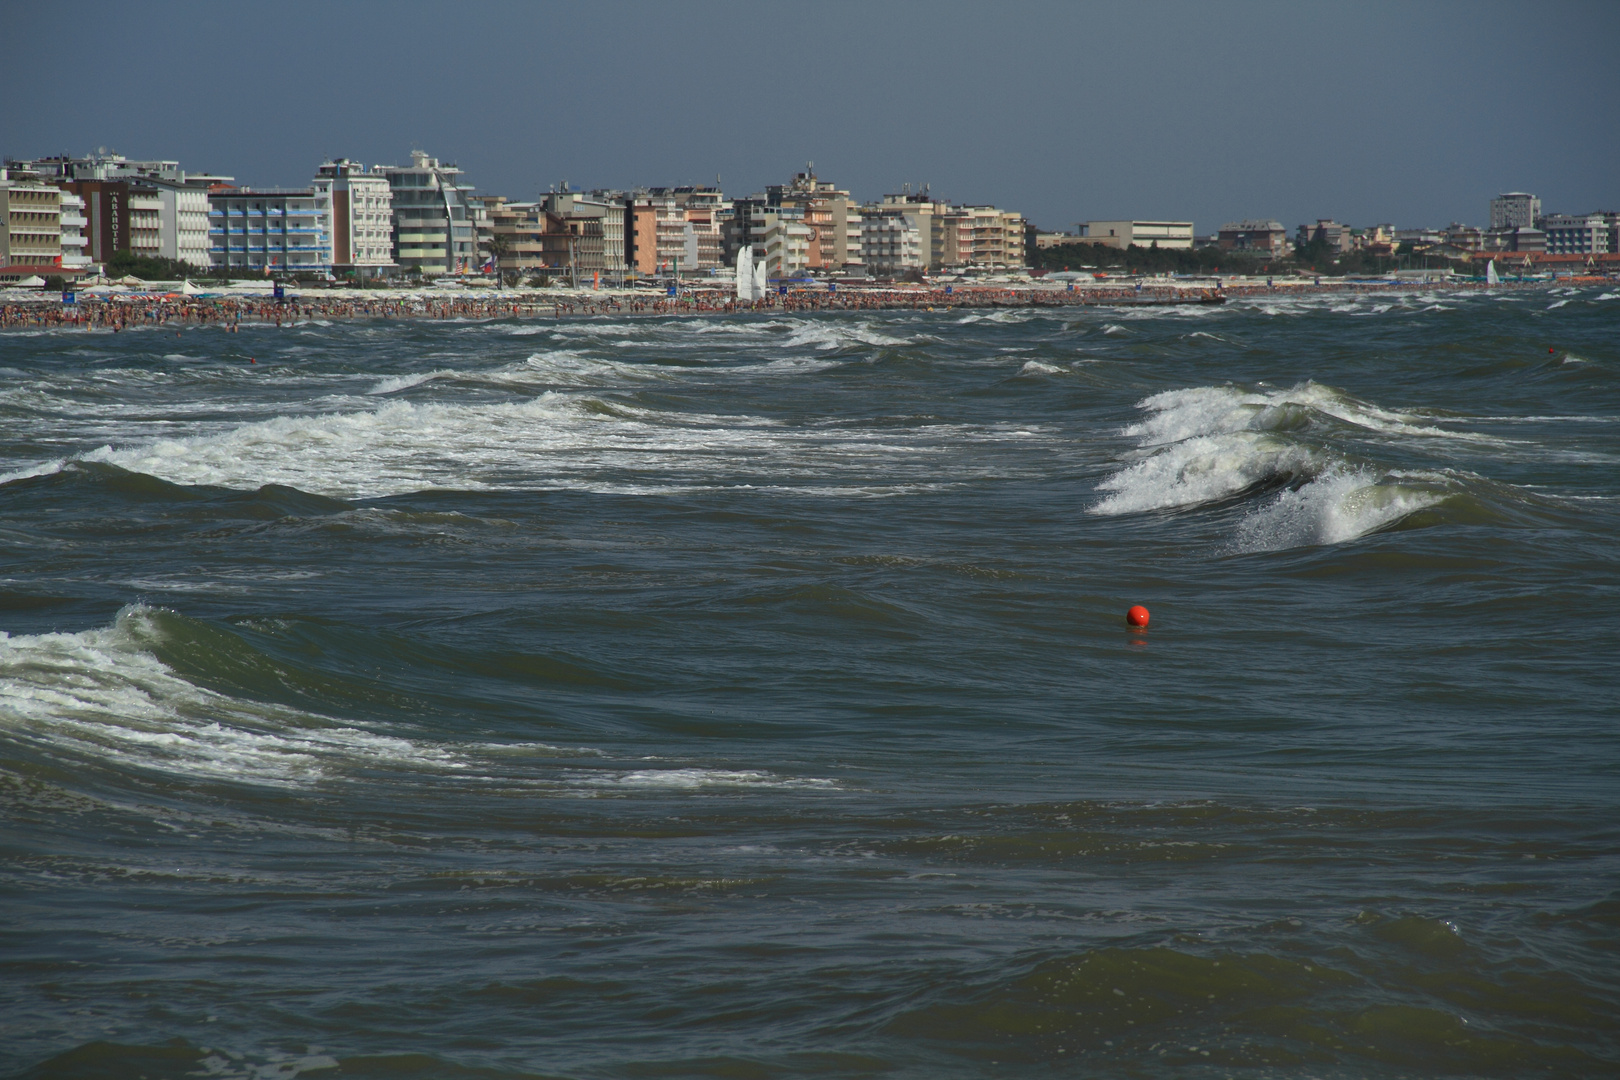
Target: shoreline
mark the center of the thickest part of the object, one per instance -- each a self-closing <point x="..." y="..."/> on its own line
<point x="129" y="310"/>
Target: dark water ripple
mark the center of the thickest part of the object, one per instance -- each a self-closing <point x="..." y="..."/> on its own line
<point x="748" y="698"/>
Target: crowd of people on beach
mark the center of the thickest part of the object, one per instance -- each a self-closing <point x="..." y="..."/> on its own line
<point x="122" y="312"/>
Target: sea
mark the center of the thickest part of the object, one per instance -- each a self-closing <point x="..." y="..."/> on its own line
<point x="751" y="696"/>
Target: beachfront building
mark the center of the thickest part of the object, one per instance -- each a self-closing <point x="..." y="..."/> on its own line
<point x="1576" y="234"/>
<point x="272" y="230"/>
<point x="30" y="223"/>
<point x="1374" y="239"/>
<point x="890" y="244"/>
<point x="145" y="220"/>
<point x="1123" y="234"/>
<point x="525" y="239"/>
<point x="1515" y="210"/>
<point x="181" y="220"/>
<point x="596" y="222"/>
<point x="989" y="237"/>
<point x="1465" y="237"/>
<point x="361" y="216"/>
<point x="1419" y="237"/>
<point x="697" y="228"/>
<point x="829" y="212"/>
<point x="925" y="215"/>
<point x="151" y="208"/>
<point x="787" y="247"/>
<point x="433" y="225"/>
<point x="1264" y="237"/>
<point x="654" y="232"/>
<point x="75" y="253"/>
<point x="1326" y="231"/>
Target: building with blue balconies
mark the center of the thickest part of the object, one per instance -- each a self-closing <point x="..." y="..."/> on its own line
<point x="286" y="231"/>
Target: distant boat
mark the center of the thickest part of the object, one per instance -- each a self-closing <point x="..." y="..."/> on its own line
<point x="1490" y="274"/>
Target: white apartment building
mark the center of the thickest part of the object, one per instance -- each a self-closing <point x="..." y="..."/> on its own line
<point x="890" y="244"/>
<point x="145" y="220"/>
<point x="1576" y="234"/>
<point x="1122" y="234"/>
<point x="75" y="253"/>
<point x="1515" y="210"/>
<point x="433" y="226"/>
<point x="360" y="224"/>
<point x="270" y="230"/>
<point x="182" y="223"/>
<point x="787" y="246"/>
<point x="995" y="238"/>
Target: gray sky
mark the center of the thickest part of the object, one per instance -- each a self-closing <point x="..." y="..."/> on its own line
<point x="1407" y="112"/>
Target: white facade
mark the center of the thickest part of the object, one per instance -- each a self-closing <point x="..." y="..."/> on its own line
<point x="1122" y="234"/>
<point x="1576" y="234"/>
<point x="145" y="221"/>
<point x="787" y="246"/>
<point x="183" y="224"/>
<point x="75" y="254"/>
<point x="274" y="230"/>
<point x="433" y="226"/>
<point x="890" y="244"/>
<point x="360" y="205"/>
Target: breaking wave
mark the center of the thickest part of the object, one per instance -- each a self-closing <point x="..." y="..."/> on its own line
<point x="1206" y="445"/>
<point x="124" y="696"/>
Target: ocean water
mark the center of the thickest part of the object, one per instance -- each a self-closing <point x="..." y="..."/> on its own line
<point x="750" y="697"/>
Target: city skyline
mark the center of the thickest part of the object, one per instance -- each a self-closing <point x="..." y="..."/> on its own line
<point x="1067" y="114"/>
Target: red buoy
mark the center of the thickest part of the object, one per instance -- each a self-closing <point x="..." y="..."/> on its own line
<point x="1137" y="617"/>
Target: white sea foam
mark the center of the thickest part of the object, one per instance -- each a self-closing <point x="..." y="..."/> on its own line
<point x="1036" y="367"/>
<point x="556" y="440"/>
<point x="690" y="779"/>
<point x="1206" y="410"/>
<point x="395" y="383"/>
<point x="104" y="695"/>
<point x="826" y="334"/>
<point x="1340" y="505"/>
<point x="1200" y="470"/>
<point x="1206" y="444"/>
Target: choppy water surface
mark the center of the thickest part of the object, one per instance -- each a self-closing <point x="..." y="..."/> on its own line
<point x="750" y="697"/>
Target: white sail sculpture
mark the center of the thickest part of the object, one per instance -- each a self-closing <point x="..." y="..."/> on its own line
<point x="745" y="273"/>
<point x="752" y="279"/>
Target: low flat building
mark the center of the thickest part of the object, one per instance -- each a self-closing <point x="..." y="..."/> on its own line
<point x="1419" y="237"/>
<point x="1257" y="236"/>
<point x="1123" y="234"/>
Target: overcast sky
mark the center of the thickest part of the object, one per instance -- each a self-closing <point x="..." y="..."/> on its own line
<point x="1405" y="112"/>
